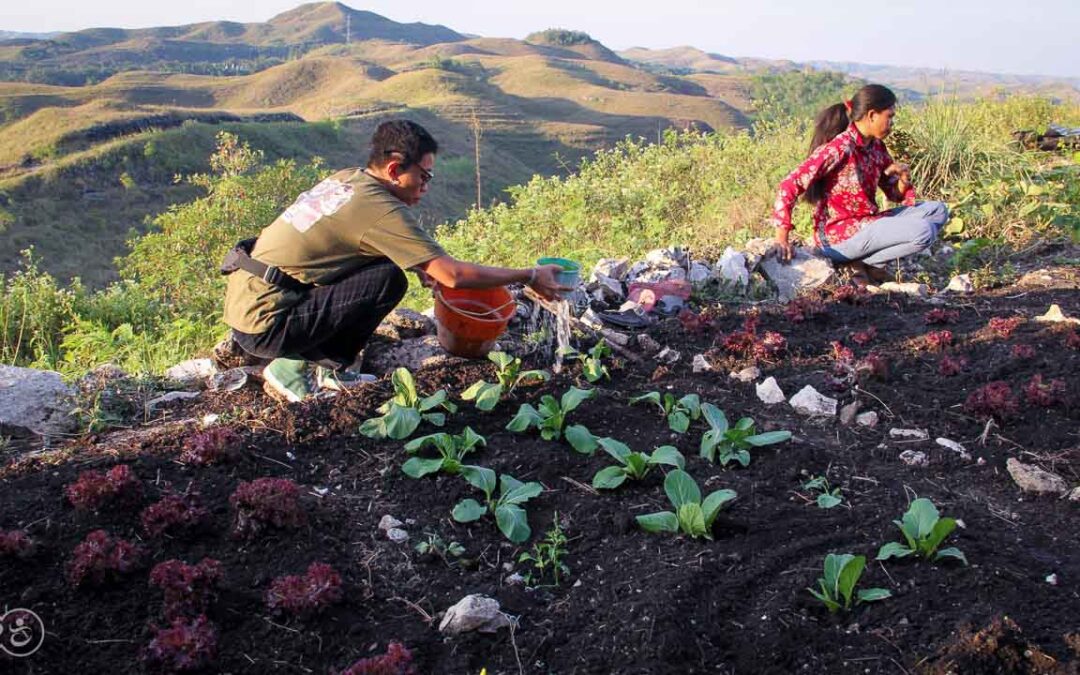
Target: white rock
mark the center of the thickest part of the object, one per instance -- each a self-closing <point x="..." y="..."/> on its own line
<point x="1052" y="579"/>
<point x="474" y="613"/>
<point x="647" y="344"/>
<point x="37" y="400"/>
<point x="667" y="257"/>
<point x="615" y="337"/>
<point x="961" y="283"/>
<point x="193" y="370"/>
<point x="954" y="446"/>
<point x="732" y="267"/>
<point x="607" y="289"/>
<point x="1034" y="480"/>
<point x="909" y="434"/>
<point x="397" y="535"/>
<point x="590" y="319"/>
<point x="805" y="270"/>
<point x="848" y="413"/>
<point x="636" y="270"/>
<point x="1074" y="496"/>
<point x="613" y="268"/>
<point x="171" y="396"/>
<point x="1055" y="315"/>
<point x="514" y="579"/>
<point x="699" y="274"/>
<point x="867" y="419"/>
<point x="657" y="274"/>
<point x="810" y="401"/>
<point x="668" y="355"/>
<point x="701" y="364"/>
<point x="914" y="458"/>
<point x="910" y="288"/>
<point x="389" y="522"/>
<point x="770" y="393"/>
<point x="746" y="375"/>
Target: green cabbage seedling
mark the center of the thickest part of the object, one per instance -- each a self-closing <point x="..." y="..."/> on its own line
<point x="680" y="412"/>
<point x="551" y="416"/>
<point x="692" y="515"/>
<point x="508" y="375"/>
<point x="402" y="414"/>
<point x="924" y="530"/>
<point x="826" y="497"/>
<point x="452" y="449"/>
<point x="726" y="444"/>
<point x="842" y="573"/>
<point x="634" y="465"/>
<point x="592" y="363"/>
<point x="509" y="516"/>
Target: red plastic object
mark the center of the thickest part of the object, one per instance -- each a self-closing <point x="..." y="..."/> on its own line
<point x="469" y="320"/>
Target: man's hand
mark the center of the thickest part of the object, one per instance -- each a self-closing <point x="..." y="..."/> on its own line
<point x="903" y="172"/>
<point x="783" y="248"/>
<point x="424" y="278"/>
<point x="545" y="282"/>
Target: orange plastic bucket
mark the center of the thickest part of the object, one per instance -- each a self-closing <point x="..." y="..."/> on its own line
<point x="469" y="320"/>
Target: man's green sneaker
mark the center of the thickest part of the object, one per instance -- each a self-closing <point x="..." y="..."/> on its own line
<point x="341" y="380"/>
<point x="288" y="379"/>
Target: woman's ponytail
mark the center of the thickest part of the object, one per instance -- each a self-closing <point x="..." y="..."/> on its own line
<point x="832" y="121"/>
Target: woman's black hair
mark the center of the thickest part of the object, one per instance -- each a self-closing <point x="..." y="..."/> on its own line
<point x="404" y="138"/>
<point x="832" y="121"/>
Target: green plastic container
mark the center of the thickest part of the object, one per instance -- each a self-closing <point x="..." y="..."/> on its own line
<point x="571" y="271"/>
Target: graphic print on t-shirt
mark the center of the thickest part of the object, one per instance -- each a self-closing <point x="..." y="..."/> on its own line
<point x="322" y="200"/>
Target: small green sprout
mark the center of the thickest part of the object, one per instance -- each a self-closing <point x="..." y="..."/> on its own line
<point x="727" y="444"/>
<point x="402" y="414"/>
<point x="827" y="497"/>
<point x="692" y="516"/>
<point x="452" y="450"/>
<point x="592" y="362"/>
<point x="680" y="412"/>
<point x="546" y="557"/>
<point x="924" y="530"/>
<point x="508" y="376"/>
<point x="842" y="572"/>
<point x="436" y="545"/>
<point x="633" y="465"/>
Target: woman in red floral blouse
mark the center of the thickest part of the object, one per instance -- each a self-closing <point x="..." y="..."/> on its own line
<point x="848" y="162"/>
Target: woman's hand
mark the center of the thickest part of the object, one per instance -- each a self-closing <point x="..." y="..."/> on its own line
<point x="783" y="249"/>
<point x="903" y="171"/>
<point x="545" y="282"/>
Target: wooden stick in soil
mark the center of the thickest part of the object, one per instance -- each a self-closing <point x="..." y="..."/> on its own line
<point x="582" y="326"/>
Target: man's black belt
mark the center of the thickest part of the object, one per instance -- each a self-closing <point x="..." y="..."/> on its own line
<point x="239" y="258"/>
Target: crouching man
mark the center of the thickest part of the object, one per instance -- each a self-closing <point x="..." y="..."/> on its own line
<point x="310" y="291"/>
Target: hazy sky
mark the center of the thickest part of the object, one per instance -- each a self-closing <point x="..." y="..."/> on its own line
<point x="1033" y="37"/>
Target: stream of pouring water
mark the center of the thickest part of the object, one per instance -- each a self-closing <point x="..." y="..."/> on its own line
<point x="556" y="327"/>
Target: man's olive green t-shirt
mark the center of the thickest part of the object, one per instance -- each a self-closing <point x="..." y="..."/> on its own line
<point x="329" y="232"/>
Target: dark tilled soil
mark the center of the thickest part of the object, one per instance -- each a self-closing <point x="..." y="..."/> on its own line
<point x="633" y="602"/>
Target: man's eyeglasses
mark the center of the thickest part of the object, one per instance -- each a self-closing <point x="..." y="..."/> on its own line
<point x="425" y="175"/>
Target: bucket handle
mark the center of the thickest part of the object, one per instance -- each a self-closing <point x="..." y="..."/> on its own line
<point x="480" y="316"/>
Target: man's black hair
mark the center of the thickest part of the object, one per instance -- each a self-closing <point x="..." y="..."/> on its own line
<point x="404" y="140"/>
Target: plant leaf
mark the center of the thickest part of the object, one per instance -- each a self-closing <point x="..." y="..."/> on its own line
<point x="942" y="528"/>
<point x="692" y="520"/>
<point x="829" y="603"/>
<point x="709" y="440"/>
<point x="668" y="455"/>
<point x="714" y="503"/>
<point x="649" y="397"/>
<point x="434" y="419"/>
<point x="404" y="387"/>
<point x="620" y="451"/>
<point x="541" y="375"/>
<point x="715" y="417"/>
<point x="418" y="467"/>
<point x="609" y="478"/>
<point x="513" y="523"/>
<point x="474" y="389"/>
<point x="480" y="477"/>
<point x="401" y="422"/>
<point x="467" y="511"/>
<point x="581" y="439"/>
<point x="421" y="442"/>
<point x="637" y="465"/>
<point x="520" y="493"/>
<point x="951" y="552"/>
<point x="850" y="572"/>
<point x="893" y="549"/>
<point x="500" y="359"/>
<point x="768" y="438"/>
<point x="527" y="416"/>
<point x="439" y="398"/>
<point x="681" y="489"/>
<point x="922" y="515"/>
<point x="692" y="404"/>
<point x="825" y="501"/>
<point x="664" y="521"/>
<point x="470" y="439"/>
<point x="678" y="422"/>
<point x="873" y="594"/>
<point x="574" y="397"/>
<point x="488" y="397"/>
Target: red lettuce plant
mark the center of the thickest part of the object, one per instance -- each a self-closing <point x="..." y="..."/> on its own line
<point x="692" y="322"/>
<point x="188" y="589"/>
<point x="16" y="544"/>
<point x="210" y="446"/>
<point x="993" y="400"/>
<point x="1044" y="395"/>
<point x="100" y="558"/>
<point x="874" y="365"/>
<point x="864" y="337"/>
<point x="186" y="645"/>
<point x="840" y="353"/>
<point x="938" y="317"/>
<point x="396" y="661"/>
<point x="1023" y="352"/>
<point x="94" y="489"/>
<point x="311" y="593"/>
<point x="266" y="502"/>
<point x="850" y="294"/>
<point x="172" y="514"/>
<point x="1005" y="327"/>
<point x="803" y="308"/>
<point x="746" y="342"/>
<point x="937" y="340"/>
<point x="950" y="366"/>
<point x="768" y="346"/>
